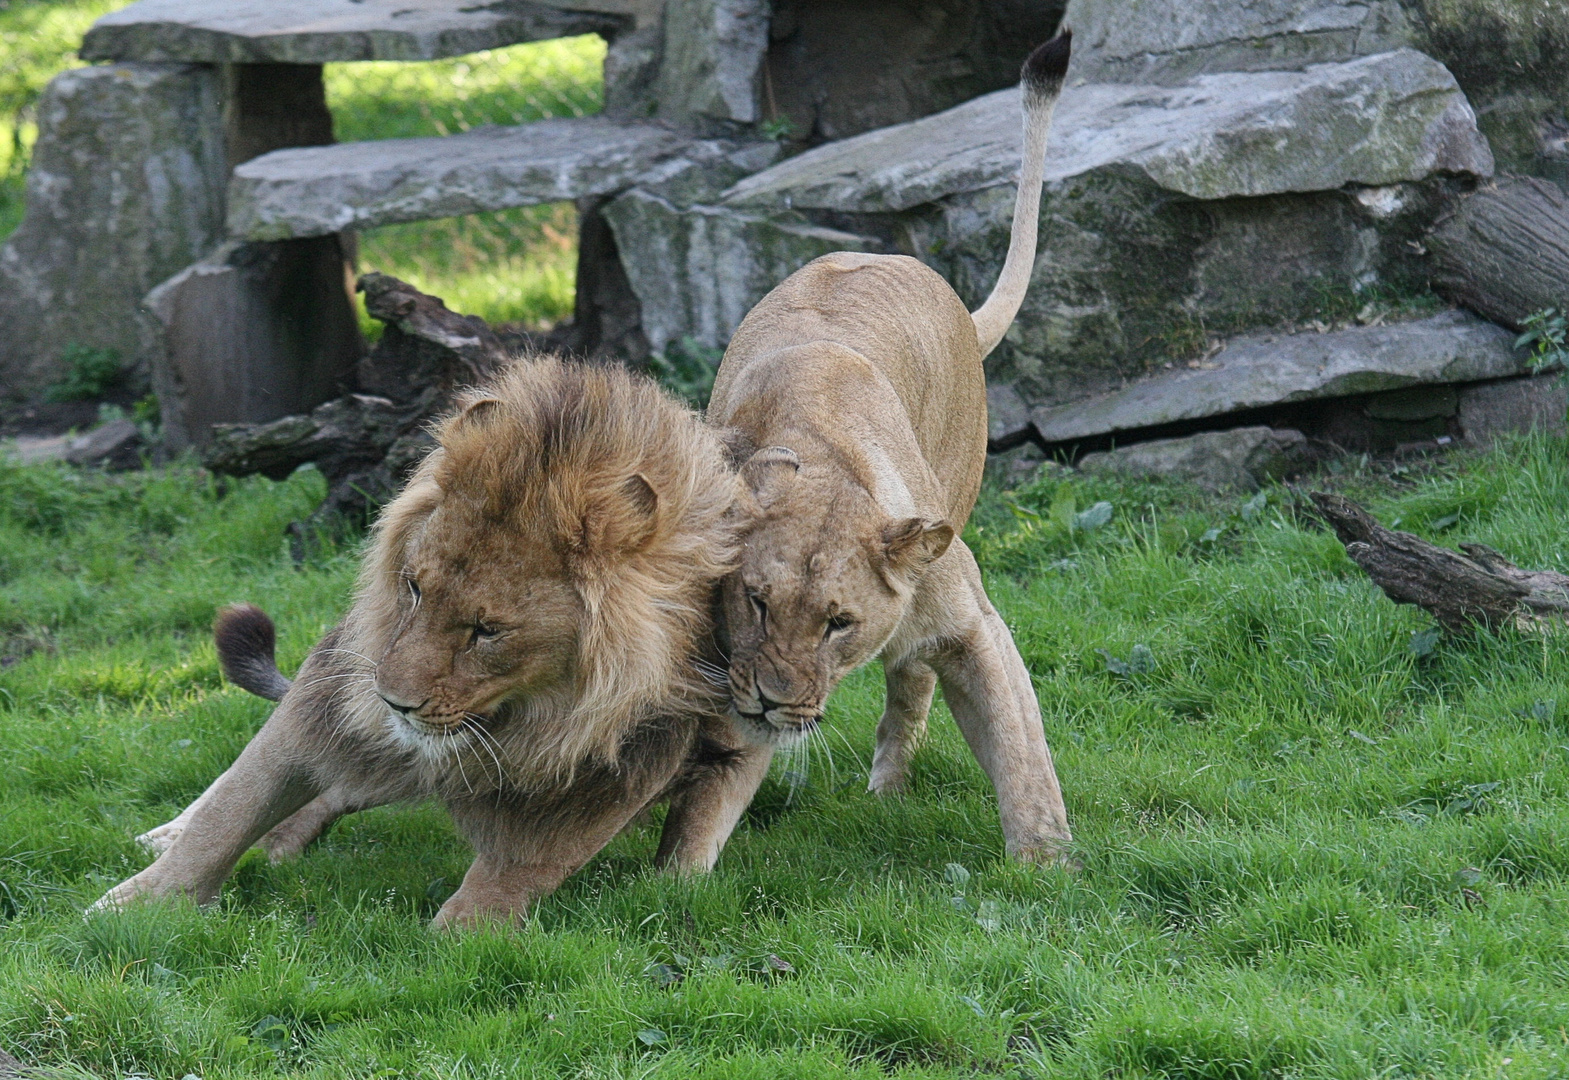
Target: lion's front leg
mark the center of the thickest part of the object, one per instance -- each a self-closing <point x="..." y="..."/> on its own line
<point x="702" y="817"/>
<point x="526" y="846"/>
<point x="263" y="786"/>
<point x="991" y="696"/>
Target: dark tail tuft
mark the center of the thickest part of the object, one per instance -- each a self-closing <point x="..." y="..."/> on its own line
<point x="247" y="646"/>
<point x="1047" y="66"/>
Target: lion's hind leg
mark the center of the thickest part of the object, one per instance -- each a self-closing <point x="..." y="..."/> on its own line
<point x="910" y="686"/>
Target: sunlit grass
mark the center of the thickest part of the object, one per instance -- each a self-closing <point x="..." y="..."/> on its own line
<point x="1307" y="850"/>
<point x="512" y="266"/>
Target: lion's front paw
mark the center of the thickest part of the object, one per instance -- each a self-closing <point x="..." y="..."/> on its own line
<point x="1053" y="853"/>
<point x="121" y="896"/>
<point x="464" y="913"/>
<point x="887" y="780"/>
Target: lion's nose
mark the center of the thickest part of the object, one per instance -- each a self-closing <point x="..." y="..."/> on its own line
<point x="399" y="706"/>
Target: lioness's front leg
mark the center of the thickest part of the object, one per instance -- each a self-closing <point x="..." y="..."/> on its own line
<point x="903" y="725"/>
<point x="265" y="785"/>
<point x="991" y="696"/>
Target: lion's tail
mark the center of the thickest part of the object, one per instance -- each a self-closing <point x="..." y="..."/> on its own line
<point x="1041" y="85"/>
<point x="246" y="644"/>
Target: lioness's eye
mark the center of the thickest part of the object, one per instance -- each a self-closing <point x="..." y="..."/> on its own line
<point x="484" y="632"/>
<point x="414" y="589"/>
<point x="759" y="608"/>
<point x="838" y="623"/>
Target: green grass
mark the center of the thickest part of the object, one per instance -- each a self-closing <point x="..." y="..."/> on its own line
<point x="512" y="266"/>
<point x="38" y="39"/>
<point x="1307" y="851"/>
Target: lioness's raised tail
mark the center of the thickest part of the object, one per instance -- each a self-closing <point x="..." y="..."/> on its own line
<point x="1041" y="86"/>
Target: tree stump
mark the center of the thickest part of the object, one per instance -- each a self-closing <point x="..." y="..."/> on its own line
<point x="1479" y="588"/>
<point x="1503" y="251"/>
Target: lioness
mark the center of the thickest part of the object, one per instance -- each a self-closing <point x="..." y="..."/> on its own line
<point x="859" y="382"/>
<point x="526" y="644"/>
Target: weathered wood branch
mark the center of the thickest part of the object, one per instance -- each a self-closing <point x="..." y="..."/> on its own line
<point x="1480" y="587"/>
<point x="1503" y="251"/>
<point x="367" y="442"/>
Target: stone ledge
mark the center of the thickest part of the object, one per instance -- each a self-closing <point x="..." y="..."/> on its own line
<point x="326" y="31"/>
<point x="317" y="190"/>
<point x="1379" y="120"/>
<point x="1261" y="370"/>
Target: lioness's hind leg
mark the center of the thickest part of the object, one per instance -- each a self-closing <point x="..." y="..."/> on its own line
<point x="903" y="725"/>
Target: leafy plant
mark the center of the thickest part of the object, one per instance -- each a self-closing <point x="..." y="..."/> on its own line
<point x="687" y="370"/>
<point x="90" y="373"/>
<point x="1545" y="333"/>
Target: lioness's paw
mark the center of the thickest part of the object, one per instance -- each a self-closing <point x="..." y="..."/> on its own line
<point x="157" y="841"/>
<point x="886" y="782"/>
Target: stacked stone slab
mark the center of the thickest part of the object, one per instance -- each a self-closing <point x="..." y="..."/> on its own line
<point x="1215" y="169"/>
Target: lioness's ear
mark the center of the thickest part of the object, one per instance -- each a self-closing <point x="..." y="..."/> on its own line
<point x="911" y="543"/>
<point x="769" y="472"/>
<point x="474" y="413"/>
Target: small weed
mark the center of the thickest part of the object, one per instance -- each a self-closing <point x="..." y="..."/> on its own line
<point x="89" y="374"/>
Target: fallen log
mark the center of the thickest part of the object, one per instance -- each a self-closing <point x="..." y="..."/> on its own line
<point x="367" y="442"/>
<point x="1503" y="251"/>
<point x="1480" y="587"/>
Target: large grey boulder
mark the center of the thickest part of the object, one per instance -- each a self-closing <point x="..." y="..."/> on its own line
<point x="125" y="189"/>
<point x="318" y="190"/>
<point x="1270" y="369"/>
<point x="1159" y="41"/>
<point x="1242" y="459"/>
<point x="713" y="55"/>
<point x="1375" y="121"/>
<point x="1228" y="201"/>
<point x="697" y="270"/>
<point x="324" y="31"/>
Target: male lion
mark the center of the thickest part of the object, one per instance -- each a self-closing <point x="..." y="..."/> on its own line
<point x="526" y="644"/>
<point x="859" y="384"/>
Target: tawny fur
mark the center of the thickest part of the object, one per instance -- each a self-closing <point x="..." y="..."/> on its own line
<point x="859" y="384"/>
<point x="527" y="643"/>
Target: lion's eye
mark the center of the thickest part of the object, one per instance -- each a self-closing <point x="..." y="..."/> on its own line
<point x="837" y="625"/>
<point x="759" y="607"/>
<point x="484" y="631"/>
<point x="414" y="589"/>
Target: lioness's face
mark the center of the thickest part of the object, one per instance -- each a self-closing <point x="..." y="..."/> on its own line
<point x="819" y="592"/>
<point x="477" y="632"/>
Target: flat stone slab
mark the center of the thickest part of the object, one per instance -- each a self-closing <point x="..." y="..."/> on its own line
<point x="1272" y="369"/>
<point x="1242" y="459"/>
<point x="327" y="31"/>
<point x="316" y="190"/>
<point x="1379" y="120"/>
<point x="1123" y="41"/>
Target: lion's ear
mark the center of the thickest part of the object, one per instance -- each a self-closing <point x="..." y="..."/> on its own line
<point x="475" y="412"/>
<point x="620" y="522"/>
<point x="912" y="543"/>
<point x="769" y="472"/>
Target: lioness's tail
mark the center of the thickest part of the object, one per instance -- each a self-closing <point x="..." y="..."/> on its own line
<point x="1041" y="85"/>
<point x="246" y="642"/>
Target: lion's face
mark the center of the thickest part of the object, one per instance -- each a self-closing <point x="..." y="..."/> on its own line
<point x="543" y="581"/>
<point x="480" y="629"/>
<point x="825" y="579"/>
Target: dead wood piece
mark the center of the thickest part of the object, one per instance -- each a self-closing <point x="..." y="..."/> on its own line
<point x="1480" y="587"/>
<point x="1504" y="250"/>
<point x="366" y="443"/>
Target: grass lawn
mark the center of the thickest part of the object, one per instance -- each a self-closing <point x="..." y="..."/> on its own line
<point x="1307" y="849"/>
